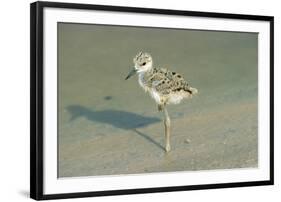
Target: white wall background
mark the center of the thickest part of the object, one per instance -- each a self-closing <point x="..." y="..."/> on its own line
<point x="14" y="100"/>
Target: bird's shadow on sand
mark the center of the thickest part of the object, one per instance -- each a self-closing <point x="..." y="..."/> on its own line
<point x="117" y="118"/>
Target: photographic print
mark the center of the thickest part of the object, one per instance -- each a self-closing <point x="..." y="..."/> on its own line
<point x="131" y="100"/>
<point x="109" y="125"/>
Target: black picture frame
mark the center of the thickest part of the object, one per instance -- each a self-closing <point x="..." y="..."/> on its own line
<point x="37" y="98"/>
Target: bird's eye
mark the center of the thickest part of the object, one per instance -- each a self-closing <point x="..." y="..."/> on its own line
<point x="143" y="63"/>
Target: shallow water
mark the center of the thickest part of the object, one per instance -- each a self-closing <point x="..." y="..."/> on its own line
<point x="110" y="126"/>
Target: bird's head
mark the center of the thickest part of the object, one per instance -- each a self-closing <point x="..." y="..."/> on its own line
<point x="142" y="63"/>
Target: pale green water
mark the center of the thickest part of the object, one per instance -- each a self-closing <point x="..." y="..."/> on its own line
<point x="97" y="107"/>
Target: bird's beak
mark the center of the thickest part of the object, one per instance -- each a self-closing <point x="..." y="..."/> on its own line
<point x="131" y="73"/>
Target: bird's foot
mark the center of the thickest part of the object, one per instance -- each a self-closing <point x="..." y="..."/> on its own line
<point x="168" y="148"/>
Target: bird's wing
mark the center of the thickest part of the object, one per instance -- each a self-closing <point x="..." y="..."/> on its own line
<point x="166" y="82"/>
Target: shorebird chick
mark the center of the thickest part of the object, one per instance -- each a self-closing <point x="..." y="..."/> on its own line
<point x="164" y="86"/>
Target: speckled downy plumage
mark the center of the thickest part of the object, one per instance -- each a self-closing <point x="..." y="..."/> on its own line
<point x="164" y="86"/>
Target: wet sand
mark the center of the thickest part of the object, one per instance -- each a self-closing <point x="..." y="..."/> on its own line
<point x="110" y="126"/>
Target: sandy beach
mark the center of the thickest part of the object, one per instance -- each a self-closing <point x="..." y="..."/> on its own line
<point x="109" y="126"/>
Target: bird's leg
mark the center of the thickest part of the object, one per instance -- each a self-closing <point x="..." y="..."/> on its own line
<point x="167" y="124"/>
<point x="160" y="107"/>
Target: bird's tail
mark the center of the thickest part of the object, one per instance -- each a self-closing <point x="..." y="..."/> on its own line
<point x="193" y="90"/>
<point x="190" y="91"/>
